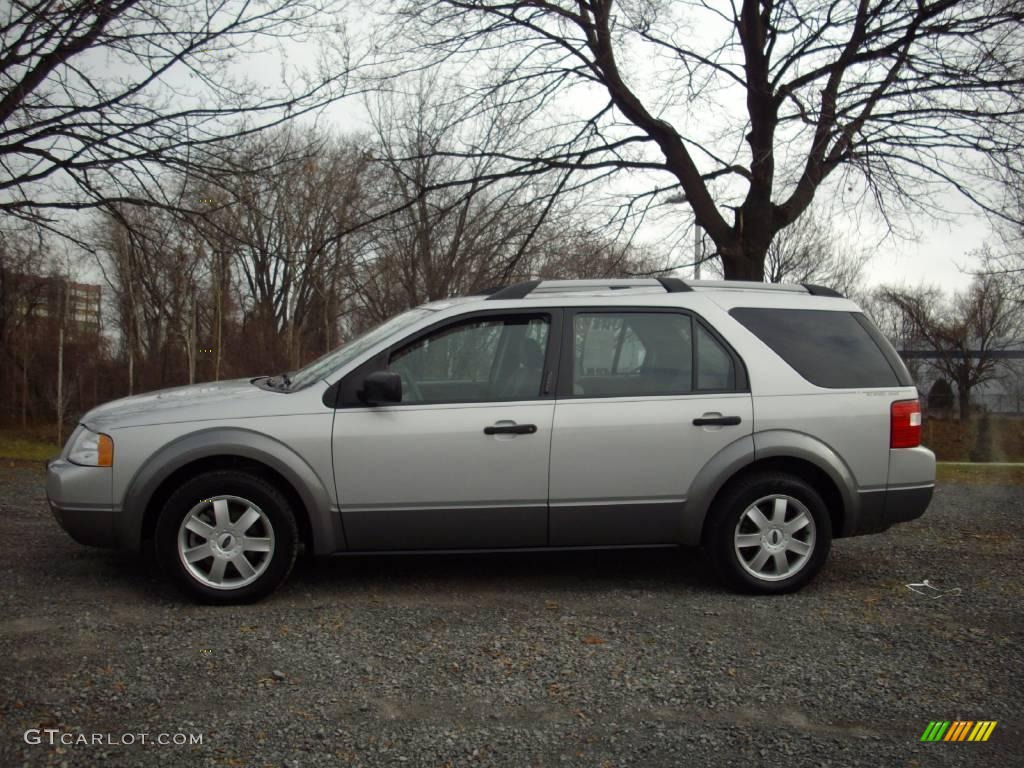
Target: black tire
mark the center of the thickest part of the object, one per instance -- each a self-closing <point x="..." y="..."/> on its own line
<point x="726" y="515"/>
<point x="245" y="486"/>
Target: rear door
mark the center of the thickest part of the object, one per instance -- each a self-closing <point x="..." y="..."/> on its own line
<point x="645" y="398"/>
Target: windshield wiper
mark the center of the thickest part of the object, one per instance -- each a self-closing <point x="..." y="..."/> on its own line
<point x="280" y="382"/>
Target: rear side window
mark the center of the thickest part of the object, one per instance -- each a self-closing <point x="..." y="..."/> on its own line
<point x="829" y="349"/>
<point x="633" y="353"/>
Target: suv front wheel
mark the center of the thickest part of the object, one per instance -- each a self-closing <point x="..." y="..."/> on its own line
<point x="769" y="533"/>
<point x="227" y="537"/>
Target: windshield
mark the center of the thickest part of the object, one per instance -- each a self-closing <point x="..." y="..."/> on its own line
<point x="332" y="361"/>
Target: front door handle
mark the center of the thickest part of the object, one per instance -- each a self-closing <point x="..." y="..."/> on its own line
<point x="511" y="429"/>
<point x="718" y="421"/>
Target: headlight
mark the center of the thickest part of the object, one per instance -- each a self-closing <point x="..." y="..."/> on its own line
<point x="91" y="449"/>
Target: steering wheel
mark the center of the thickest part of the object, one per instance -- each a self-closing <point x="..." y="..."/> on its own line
<point x="409" y="385"/>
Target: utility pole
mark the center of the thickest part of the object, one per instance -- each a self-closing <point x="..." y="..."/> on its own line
<point x="60" y="360"/>
<point x="60" y="386"/>
<point x="697" y="250"/>
<point x="192" y="342"/>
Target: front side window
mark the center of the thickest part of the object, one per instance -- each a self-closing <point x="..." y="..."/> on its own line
<point x="481" y="360"/>
<point x="631" y="354"/>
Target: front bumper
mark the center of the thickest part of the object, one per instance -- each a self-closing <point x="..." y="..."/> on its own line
<point x="80" y="499"/>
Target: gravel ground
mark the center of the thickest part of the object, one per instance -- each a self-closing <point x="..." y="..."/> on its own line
<point x="589" y="659"/>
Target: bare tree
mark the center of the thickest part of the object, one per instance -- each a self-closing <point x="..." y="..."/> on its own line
<point x="897" y="324"/>
<point x="98" y="97"/>
<point x="23" y="256"/>
<point x="447" y="238"/>
<point x="1003" y="255"/>
<point x="1013" y="381"/>
<point x="909" y="96"/>
<point x="155" y="274"/>
<point x="285" y="233"/>
<point x="812" y="250"/>
<point x="964" y="333"/>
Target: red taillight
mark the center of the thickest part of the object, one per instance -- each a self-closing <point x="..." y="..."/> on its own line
<point x="905" y="424"/>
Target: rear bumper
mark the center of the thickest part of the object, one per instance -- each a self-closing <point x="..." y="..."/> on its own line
<point x="881" y="509"/>
<point x="79" y="499"/>
<point x="911" y="484"/>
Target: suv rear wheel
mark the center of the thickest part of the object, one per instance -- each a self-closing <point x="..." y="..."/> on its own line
<point x="769" y="533"/>
<point x="227" y="537"/>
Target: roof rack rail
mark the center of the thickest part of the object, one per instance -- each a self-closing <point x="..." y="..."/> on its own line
<point x="674" y="284"/>
<point x="821" y="290"/>
<point x="521" y="290"/>
<point x="514" y="291"/>
<point x="670" y="284"/>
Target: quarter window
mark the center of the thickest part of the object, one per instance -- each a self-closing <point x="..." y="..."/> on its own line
<point x="828" y="348"/>
<point x="715" y="367"/>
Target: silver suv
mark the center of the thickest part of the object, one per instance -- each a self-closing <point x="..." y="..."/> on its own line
<point x="759" y="421"/>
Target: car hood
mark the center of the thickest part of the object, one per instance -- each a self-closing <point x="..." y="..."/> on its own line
<point x="236" y="398"/>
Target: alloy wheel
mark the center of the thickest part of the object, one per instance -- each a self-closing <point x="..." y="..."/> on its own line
<point x="775" y="537"/>
<point x="226" y="542"/>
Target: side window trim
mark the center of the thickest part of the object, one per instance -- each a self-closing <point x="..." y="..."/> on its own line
<point x="350" y="383"/>
<point x="566" y="373"/>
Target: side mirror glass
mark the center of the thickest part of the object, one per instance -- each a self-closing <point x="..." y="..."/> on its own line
<point x="381" y="387"/>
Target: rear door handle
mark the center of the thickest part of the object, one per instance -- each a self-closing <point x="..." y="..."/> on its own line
<point x="718" y="421"/>
<point x="511" y="429"/>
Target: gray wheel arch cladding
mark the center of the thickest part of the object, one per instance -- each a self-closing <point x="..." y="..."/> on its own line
<point x="749" y="449"/>
<point x="242" y="443"/>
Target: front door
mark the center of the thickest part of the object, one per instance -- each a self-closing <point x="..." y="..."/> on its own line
<point x="462" y="461"/>
<point x="646" y="398"/>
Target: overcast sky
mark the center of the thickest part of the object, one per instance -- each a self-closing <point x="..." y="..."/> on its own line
<point x="924" y="249"/>
<point x="931" y="251"/>
<point x="936" y="256"/>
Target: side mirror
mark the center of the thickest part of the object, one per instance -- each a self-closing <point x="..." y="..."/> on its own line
<point x="381" y="387"/>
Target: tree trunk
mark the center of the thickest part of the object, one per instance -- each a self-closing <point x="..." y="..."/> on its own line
<point x="743" y="263"/>
<point x="963" y="396"/>
<point x="746" y="251"/>
<point x="24" y="392"/>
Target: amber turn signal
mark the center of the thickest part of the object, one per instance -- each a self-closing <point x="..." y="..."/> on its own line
<point x="106" y="451"/>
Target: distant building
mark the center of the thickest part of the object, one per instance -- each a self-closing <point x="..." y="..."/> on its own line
<point x="52" y="297"/>
<point x="1002" y="394"/>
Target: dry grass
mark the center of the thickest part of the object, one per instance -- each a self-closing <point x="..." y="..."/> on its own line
<point x="980" y="474"/>
<point x="21" y="446"/>
<point x="953" y="441"/>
